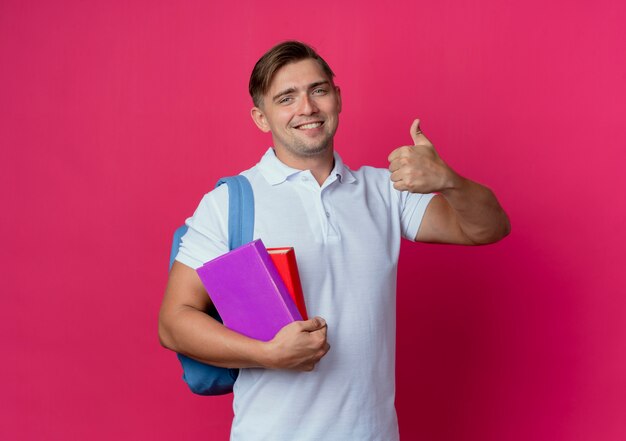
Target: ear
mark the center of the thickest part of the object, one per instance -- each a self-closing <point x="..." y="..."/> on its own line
<point x="338" y="90"/>
<point x="259" y="119"/>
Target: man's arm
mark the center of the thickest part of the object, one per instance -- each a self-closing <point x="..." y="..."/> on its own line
<point x="463" y="212"/>
<point x="185" y="327"/>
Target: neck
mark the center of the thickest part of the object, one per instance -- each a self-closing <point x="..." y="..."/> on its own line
<point x="320" y="165"/>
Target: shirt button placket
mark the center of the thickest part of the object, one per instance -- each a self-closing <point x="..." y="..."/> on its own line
<point x="330" y="229"/>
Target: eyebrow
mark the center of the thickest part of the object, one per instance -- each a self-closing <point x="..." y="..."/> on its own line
<point x="293" y="89"/>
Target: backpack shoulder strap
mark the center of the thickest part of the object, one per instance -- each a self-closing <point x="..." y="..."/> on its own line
<point x="240" y="210"/>
<point x="178" y="236"/>
<point x="240" y="215"/>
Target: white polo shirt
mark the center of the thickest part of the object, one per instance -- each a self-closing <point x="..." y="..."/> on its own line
<point x="346" y="236"/>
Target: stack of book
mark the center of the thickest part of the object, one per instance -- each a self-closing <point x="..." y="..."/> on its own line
<point x="256" y="290"/>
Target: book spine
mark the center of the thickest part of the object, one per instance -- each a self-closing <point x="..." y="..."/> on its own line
<point x="274" y="275"/>
<point x="297" y="284"/>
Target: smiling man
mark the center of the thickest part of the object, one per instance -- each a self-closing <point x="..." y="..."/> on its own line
<point x="346" y="226"/>
<point x="300" y="107"/>
<point x="301" y="110"/>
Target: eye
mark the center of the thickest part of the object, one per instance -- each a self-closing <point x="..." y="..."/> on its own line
<point x="285" y="100"/>
<point x="320" y="91"/>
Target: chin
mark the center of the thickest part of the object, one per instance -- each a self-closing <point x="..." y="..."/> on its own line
<point x="313" y="149"/>
<point x="310" y="151"/>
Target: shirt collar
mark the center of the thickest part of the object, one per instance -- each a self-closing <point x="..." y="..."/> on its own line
<point x="276" y="172"/>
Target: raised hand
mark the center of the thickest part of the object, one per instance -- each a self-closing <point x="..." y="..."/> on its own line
<point x="418" y="168"/>
<point x="299" y="345"/>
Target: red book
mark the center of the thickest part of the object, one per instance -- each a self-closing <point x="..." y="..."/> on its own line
<point x="285" y="261"/>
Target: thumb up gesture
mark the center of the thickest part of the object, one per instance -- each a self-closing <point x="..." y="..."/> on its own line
<point x="418" y="168"/>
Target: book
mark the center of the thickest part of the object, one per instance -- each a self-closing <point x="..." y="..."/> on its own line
<point x="287" y="266"/>
<point x="248" y="291"/>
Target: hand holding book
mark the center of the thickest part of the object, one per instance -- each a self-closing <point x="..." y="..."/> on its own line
<point x="298" y="346"/>
<point x="263" y="302"/>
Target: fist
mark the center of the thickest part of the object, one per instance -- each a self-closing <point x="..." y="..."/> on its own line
<point x="299" y="345"/>
<point x="418" y="168"/>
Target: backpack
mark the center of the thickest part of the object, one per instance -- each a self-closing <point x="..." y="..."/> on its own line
<point x="205" y="379"/>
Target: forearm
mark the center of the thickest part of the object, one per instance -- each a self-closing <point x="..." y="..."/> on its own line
<point x="465" y="213"/>
<point x="184" y="327"/>
<point x="197" y="335"/>
<point x="478" y="213"/>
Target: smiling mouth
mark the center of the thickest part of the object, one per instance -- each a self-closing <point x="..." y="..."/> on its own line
<point x="308" y="126"/>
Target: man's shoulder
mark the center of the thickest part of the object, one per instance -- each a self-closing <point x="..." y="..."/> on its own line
<point x="252" y="174"/>
<point x="217" y="197"/>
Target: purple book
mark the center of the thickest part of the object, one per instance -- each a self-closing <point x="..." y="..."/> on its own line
<point x="248" y="292"/>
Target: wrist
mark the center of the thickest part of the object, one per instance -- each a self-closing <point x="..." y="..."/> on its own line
<point x="452" y="182"/>
<point x="263" y="354"/>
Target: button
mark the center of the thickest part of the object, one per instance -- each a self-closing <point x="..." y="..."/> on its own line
<point x="327" y="214"/>
<point x="304" y="178"/>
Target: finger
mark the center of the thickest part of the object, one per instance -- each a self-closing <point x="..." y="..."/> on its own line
<point x="394" y="165"/>
<point x="396" y="176"/>
<point x="313" y="324"/>
<point x="322" y="332"/>
<point x="400" y="186"/>
<point x="393" y="155"/>
<point x="322" y="352"/>
<point x="398" y="181"/>
<point x="416" y="134"/>
<point x="400" y="152"/>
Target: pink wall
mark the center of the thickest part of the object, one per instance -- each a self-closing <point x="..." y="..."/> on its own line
<point x="115" y="117"/>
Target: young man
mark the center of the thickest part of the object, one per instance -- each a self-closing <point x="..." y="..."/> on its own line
<point x="346" y="227"/>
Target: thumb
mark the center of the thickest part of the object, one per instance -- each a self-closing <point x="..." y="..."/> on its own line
<point x="416" y="134"/>
<point x="313" y="324"/>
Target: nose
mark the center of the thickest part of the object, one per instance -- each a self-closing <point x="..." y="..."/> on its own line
<point x="307" y="105"/>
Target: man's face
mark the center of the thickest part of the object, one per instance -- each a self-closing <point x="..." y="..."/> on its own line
<point x="301" y="109"/>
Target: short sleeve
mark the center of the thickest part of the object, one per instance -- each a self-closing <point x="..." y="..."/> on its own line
<point x="207" y="234"/>
<point x="412" y="210"/>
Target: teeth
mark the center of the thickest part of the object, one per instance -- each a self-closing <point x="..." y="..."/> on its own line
<point x="310" y="126"/>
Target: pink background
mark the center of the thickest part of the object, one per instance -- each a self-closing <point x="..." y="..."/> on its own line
<point x="116" y="117"/>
